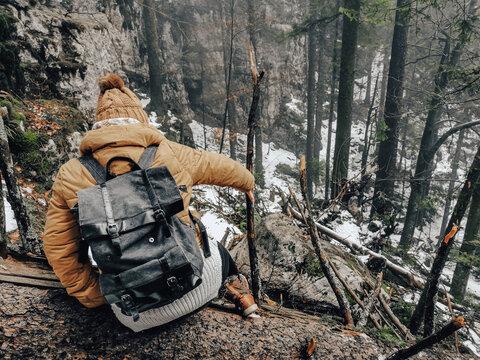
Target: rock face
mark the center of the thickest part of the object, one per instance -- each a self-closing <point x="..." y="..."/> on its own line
<point x="64" y="46"/>
<point x="288" y="264"/>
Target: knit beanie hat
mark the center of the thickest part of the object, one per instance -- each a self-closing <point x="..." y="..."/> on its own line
<point x="116" y="101"/>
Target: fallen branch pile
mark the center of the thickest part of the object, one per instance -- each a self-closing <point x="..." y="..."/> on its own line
<point x="413" y="280"/>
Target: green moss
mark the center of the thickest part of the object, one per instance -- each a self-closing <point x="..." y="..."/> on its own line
<point x="386" y="335"/>
<point x="402" y="310"/>
<point x="312" y="267"/>
<point x="349" y="297"/>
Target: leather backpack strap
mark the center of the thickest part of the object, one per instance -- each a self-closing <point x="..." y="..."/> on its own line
<point x="94" y="168"/>
<point x="148" y="156"/>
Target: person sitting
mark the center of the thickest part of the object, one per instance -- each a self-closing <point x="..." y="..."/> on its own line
<point x="121" y="128"/>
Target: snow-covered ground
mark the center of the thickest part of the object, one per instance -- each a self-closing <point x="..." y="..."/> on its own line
<point x="10" y="222"/>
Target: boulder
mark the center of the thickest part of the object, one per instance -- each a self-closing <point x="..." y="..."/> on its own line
<point x="289" y="265"/>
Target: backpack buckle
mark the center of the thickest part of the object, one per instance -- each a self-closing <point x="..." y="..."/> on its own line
<point x="159" y="214"/>
<point x="174" y="286"/>
<point x="112" y="230"/>
<point x="130" y="306"/>
<point x="172" y="282"/>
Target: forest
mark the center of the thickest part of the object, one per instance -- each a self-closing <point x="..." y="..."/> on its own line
<point x="359" y="120"/>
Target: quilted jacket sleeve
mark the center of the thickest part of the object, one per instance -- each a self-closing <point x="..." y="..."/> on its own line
<point x="61" y="245"/>
<point x="214" y="169"/>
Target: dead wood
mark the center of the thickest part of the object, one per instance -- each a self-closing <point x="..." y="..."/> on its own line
<point x="28" y="273"/>
<point x="351" y="292"/>
<point x="342" y="300"/>
<point x="453" y="318"/>
<point x="414" y="281"/>
<point x="252" y="247"/>
<point x="24" y="280"/>
<point x="429" y="341"/>
<point x="371" y="301"/>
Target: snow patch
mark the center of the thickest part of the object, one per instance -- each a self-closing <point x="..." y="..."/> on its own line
<point x="10" y="222"/>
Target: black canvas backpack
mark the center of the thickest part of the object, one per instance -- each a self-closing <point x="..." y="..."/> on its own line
<point x="148" y="257"/>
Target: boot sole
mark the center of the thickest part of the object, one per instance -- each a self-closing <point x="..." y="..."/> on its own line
<point x="250" y="309"/>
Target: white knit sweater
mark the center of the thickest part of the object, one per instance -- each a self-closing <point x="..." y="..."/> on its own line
<point x="206" y="291"/>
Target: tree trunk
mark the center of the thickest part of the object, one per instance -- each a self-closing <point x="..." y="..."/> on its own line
<point x="387" y="154"/>
<point x="157" y="102"/>
<point x="425" y="305"/>
<point x="383" y="87"/>
<point x="228" y="64"/>
<point x="451" y="184"/>
<point x="345" y="95"/>
<point x="317" y="141"/>
<point x="232" y="114"/>
<point x="333" y="83"/>
<point x="424" y="166"/>
<point x="467" y="250"/>
<point x="3" y="232"/>
<point x="366" y="139"/>
<point x="260" y="181"/>
<point x="252" y="246"/>
<point x="312" y="66"/>
<point x="14" y="194"/>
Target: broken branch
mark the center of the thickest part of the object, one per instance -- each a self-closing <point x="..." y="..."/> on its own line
<point x="429" y="341"/>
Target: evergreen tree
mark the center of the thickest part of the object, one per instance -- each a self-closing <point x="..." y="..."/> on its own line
<point x="345" y="94"/>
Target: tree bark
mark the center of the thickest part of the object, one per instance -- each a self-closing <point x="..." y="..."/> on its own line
<point x="317" y="141"/>
<point x="251" y="26"/>
<point x="451" y="184"/>
<point x="443" y="333"/>
<point x="14" y="194"/>
<point x="157" y="102"/>
<point x="387" y="154"/>
<point x="345" y="95"/>
<point x="312" y="66"/>
<point x="333" y="86"/>
<point x="425" y="306"/>
<point x="468" y="248"/>
<point x="3" y="232"/>
<point x="252" y="246"/>
<point x="232" y="130"/>
<point x="228" y="74"/>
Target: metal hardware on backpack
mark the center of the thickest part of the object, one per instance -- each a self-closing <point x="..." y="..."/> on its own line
<point x="148" y="257"/>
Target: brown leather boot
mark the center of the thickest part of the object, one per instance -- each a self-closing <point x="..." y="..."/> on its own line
<point x="237" y="291"/>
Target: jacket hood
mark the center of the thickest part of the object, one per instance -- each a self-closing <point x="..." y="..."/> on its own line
<point x="121" y="135"/>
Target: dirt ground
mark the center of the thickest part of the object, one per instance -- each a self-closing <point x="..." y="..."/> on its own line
<point x="48" y="324"/>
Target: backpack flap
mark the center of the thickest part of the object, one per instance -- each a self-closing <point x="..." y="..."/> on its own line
<point x="129" y="200"/>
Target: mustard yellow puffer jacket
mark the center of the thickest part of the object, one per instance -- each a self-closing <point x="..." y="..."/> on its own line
<point x="188" y="166"/>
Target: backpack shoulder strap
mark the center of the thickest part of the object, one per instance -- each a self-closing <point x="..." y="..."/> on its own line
<point x="148" y="156"/>
<point x="100" y="174"/>
<point x="94" y="167"/>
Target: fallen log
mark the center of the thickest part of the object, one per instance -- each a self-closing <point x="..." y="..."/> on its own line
<point x="25" y="280"/>
<point x="351" y="292"/>
<point x="429" y="341"/>
<point x="371" y="302"/>
<point x="389" y="312"/>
